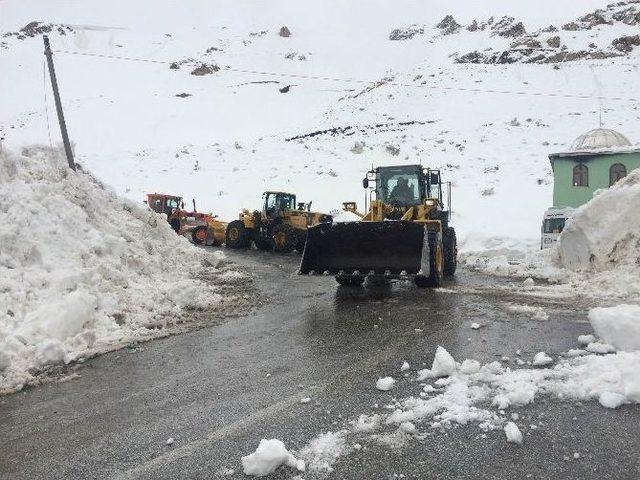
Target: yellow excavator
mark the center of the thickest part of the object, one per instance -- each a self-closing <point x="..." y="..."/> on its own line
<point x="404" y="234"/>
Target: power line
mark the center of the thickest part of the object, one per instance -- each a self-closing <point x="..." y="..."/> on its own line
<point x="374" y="82"/>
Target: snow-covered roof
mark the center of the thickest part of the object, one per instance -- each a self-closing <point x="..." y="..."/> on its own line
<point x="599" y="141"/>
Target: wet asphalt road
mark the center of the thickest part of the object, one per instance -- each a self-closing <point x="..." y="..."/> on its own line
<point x="217" y="391"/>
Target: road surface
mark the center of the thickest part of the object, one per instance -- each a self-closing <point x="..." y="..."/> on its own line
<point x="217" y="391"/>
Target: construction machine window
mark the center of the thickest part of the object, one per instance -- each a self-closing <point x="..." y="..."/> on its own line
<point x="276" y="202"/>
<point x="288" y="202"/>
<point x="400" y="188"/>
<point x="173" y="203"/>
<point x="270" y="202"/>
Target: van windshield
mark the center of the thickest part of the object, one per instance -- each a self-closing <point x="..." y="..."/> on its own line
<point x="554" y="225"/>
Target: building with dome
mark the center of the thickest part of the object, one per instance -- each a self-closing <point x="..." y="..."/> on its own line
<point x="597" y="159"/>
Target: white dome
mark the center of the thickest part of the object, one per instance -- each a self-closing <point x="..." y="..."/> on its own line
<point x="599" y="139"/>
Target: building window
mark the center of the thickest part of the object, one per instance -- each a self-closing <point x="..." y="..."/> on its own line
<point x="616" y="172"/>
<point x="580" y="176"/>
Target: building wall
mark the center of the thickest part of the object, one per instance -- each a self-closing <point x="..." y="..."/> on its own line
<point x="566" y="195"/>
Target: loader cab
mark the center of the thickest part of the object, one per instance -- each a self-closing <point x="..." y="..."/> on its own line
<point x="401" y="186"/>
<point x="276" y="202"/>
<point x="405" y="185"/>
<point x="161" y="203"/>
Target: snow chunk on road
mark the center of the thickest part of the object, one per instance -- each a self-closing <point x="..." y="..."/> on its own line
<point x="443" y="363"/>
<point x="405" y="366"/>
<point x="541" y="359"/>
<point x="618" y="326"/>
<point x="513" y="433"/>
<point x="407" y="427"/>
<point x="469" y="367"/>
<point x="385" y="383"/>
<point x="586" y="339"/>
<point x="611" y="400"/>
<point x="366" y="423"/>
<point x="322" y="452"/>
<point x="475" y="326"/>
<point x="597" y="347"/>
<point x="270" y="455"/>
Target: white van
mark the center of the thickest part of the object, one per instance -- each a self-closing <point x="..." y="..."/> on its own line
<point x="553" y="224"/>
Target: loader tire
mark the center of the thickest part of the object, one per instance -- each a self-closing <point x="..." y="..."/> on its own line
<point x="237" y="235"/>
<point x="436" y="263"/>
<point x="450" y="248"/>
<point x="199" y="235"/>
<point x="265" y="244"/>
<point x="350" y="280"/>
<point x="284" y="237"/>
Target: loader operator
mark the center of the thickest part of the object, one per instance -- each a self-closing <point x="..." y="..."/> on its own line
<point x="402" y="193"/>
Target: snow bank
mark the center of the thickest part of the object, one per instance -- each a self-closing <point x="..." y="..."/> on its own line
<point x="618" y="326"/>
<point x="597" y="253"/>
<point x="605" y="232"/>
<point x="602" y="238"/>
<point x="83" y="271"/>
<point x="270" y="455"/>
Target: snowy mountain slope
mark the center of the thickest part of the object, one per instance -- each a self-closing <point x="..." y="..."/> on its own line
<point x="227" y="142"/>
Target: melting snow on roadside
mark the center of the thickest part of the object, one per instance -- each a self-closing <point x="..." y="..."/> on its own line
<point x="83" y="271"/>
<point x="452" y="393"/>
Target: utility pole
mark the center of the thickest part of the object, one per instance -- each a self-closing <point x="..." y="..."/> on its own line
<point x="56" y="96"/>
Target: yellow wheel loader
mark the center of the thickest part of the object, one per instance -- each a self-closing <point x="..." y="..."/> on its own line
<point x="281" y="226"/>
<point x="404" y="234"/>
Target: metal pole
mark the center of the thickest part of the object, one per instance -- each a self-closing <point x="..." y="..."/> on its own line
<point x="56" y="96"/>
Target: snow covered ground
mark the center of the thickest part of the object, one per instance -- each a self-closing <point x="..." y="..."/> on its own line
<point x="83" y="271"/>
<point x="489" y="127"/>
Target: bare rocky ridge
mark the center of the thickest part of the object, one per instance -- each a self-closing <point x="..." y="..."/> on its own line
<point x="448" y="25"/>
<point x="540" y="48"/>
<point x="406" y="33"/>
<point x="34" y="29"/>
<point x="204" y="69"/>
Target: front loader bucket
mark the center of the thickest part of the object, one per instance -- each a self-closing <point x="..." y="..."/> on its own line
<point x="389" y="247"/>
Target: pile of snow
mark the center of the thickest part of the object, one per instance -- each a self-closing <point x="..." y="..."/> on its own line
<point x="270" y="455"/>
<point x="604" y="234"/>
<point x="83" y="271"/>
<point x="618" y="326"/>
<point x="598" y="251"/>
